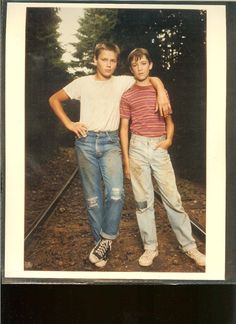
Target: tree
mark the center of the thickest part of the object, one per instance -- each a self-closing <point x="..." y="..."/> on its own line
<point x="45" y="73"/>
<point x="166" y="33"/>
<point x="95" y="26"/>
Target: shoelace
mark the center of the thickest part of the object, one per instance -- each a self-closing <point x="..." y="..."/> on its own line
<point x="102" y="248"/>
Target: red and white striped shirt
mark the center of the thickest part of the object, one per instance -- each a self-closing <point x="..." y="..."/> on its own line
<point x="138" y="104"/>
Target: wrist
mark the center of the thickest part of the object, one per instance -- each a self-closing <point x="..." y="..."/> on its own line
<point x="126" y="163"/>
<point x="68" y="124"/>
<point x="169" y="141"/>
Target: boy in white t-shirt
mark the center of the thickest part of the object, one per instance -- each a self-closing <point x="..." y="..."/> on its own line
<point x="97" y="143"/>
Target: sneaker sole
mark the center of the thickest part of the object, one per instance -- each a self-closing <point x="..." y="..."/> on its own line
<point x="197" y="263"/>
<point x="100" y="264"/>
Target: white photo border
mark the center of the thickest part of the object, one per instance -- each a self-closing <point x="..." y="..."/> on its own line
<point x="15" y="150"/>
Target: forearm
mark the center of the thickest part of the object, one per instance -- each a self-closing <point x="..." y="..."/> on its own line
<point x="55" y="102"/>
<point x="124" y="140"/>
<point x="157" y="84"/>
<point x="57" y="108"/>
<point x="170" y="129"/>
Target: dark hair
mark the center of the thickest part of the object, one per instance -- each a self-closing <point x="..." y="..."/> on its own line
<point x="137" y="54"/>
<point x="106" y="46"/>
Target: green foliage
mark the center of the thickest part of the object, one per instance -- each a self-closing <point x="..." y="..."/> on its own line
<point x="43" y="51"/>
<point x="171" y="36"/>
<point x="96" y="25"/>
<point x="41" y="31"/>
<point x="45" y="73"/>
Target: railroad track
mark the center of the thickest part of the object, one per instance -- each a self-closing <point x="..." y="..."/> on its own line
<point x="48" y="211"/>
<point x="198" y="230"/>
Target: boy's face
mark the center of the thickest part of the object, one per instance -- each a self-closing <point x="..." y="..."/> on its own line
<point x="140" y="68"/>
<point x="106" y="64"/>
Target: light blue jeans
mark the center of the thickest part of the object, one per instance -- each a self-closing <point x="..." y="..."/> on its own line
<point x="99" y="159"/>
<point x="147" y="161"/>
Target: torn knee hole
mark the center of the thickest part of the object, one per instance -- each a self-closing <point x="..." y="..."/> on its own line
<point x="116" y="193"/>
<point x="141" y="205"/>
<point x="92" y="202"/>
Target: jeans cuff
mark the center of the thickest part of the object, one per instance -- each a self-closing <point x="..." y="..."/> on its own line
<point x="108" y="236"/>
<point x="152" y="247"/>
<point x="189" y="247"/>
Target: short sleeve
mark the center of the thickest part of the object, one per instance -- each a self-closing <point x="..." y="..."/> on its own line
<point x="124" y="108"/>
<point x="126" y="82"/>
<point x="73" y="89"/>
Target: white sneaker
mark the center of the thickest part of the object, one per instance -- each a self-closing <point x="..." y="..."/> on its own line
<point x="147" y="257"/>
<point x="197" y="256"/>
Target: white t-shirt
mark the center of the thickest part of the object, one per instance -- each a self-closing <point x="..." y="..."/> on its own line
<point x="100" y="100"/>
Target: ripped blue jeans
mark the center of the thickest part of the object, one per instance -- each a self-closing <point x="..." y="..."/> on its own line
<point x="147" y="162"/>
<point x="100" y="165"/>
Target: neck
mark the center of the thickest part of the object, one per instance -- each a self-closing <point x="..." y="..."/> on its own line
<point x="99" y="76"/>
<point x="143" y="83"/>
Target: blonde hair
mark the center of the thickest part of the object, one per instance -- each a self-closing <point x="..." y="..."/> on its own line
<point x="106" y="46"/>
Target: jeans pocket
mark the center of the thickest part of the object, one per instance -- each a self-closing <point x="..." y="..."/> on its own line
<point x="80" y="140"/>
<point x="132" y="141"/>
<point x="161" y="151"/>
<point x="113" y="139"/>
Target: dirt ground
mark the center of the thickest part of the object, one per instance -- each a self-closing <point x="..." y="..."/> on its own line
<point x="64" y="240"/>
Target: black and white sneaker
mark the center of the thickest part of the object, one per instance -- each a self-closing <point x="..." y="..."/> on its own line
<point x="100" y="253"/>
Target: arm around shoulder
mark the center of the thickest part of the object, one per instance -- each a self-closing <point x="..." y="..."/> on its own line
<point x="163" y="102"/>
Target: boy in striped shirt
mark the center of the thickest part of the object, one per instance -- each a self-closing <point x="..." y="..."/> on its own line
<point x="147" y="156"/>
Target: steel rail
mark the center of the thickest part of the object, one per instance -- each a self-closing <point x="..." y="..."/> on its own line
<point x="197" y="229"/>
<point x="50" y="208"/>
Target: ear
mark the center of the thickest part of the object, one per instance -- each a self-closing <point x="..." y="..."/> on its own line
<point x="95" y="60"/>
<point x="150" y="66"/>
<point x="131" y="70"/>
